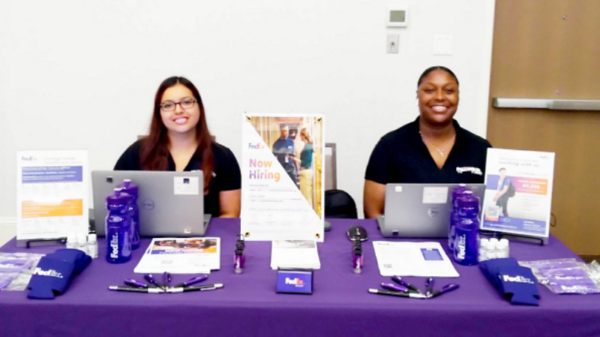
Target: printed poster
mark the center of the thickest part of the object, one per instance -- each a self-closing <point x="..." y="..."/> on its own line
<point x="52" y="194"/>
<point x="283" y="177"/>
<point x="518" y="192"/>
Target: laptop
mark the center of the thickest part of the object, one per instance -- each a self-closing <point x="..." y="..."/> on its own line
<point x="170" y="203"/>
<point x="419" y="210"/>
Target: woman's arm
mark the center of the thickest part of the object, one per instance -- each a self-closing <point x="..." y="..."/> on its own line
<point x="230" y="204"/>
<point x="373" y="199"/>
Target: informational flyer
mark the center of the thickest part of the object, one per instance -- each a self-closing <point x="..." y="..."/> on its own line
<point x="518" y="192"/>
<point x="413" y="259"/>
<point x="283" y="177"/>
<point x="181" y="256"/>
<point x="52" y="194"/>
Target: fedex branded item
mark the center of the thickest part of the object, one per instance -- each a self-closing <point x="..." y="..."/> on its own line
<point x="516" y="283"/>
<point x="54" y="272"/>
<point x="295" y="281"/>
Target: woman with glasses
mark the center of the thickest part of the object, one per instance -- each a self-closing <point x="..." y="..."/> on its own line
<point x="179" y="140"/>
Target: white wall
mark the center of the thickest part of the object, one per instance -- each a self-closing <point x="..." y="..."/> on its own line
<point x="82" y="74"/>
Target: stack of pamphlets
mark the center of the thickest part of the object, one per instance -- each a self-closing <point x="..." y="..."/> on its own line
<point x="181" y="256"/>
<point x="292" y="254"/>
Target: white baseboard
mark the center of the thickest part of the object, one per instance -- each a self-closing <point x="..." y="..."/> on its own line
<point x="8" y="229"/>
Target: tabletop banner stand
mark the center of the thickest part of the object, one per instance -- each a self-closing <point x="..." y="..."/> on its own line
<point x="518" y="195"/>
<point x="282" y="177"/>
<point x="52" y="196"/>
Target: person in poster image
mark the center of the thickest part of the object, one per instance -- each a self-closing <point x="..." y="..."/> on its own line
<point x="283" y="149"/>
<point x="502" y="194"/>
<point x="305" y="162"/>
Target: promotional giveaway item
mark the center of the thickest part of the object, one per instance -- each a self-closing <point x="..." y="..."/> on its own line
<point x="566" y="276"/>
<point x="283" y="177"/>
<point x="404" y="289"/>
<point x="295" y="281"/>
<point x="357" y="234"/>
<point x="55" y="271"/>
<point x="514" y="282"/>
<point x="181" y="256"/>
<point x="467" y="230"/>
<point x="456" y="193"/>
<point x="165" y="287"/>
<point x="134" y="213"/>
<point x="291" y="254"/>
<point x="413" y="259"/>
<point x="118" y="227"/>
<point x="239" y="255"/>
<point x="52" y="195"/>
<point x="518" y="192"/>
<point x="16" y="270"/>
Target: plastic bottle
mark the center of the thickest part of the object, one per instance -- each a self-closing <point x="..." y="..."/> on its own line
<point x="457" y="192"/>
<point x="92" y="246"/>
<point x="467" y="231"/>
<point x="502" y="249"/>
<point x="82" y="242"/>
<point x="132" y="189"/>
<point x="72" y="241"/>
<point x="118" y="228"/>
<point x="483" y="246"/>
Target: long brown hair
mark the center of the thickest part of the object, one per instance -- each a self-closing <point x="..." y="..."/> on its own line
<point x="155" y="147"/>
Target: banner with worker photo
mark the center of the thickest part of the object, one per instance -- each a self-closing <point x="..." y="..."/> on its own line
<point x="282" y="177"/>
<point x="518" y="192"/>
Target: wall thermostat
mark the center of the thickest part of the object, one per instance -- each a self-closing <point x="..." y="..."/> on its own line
<point x="397" y="18"/>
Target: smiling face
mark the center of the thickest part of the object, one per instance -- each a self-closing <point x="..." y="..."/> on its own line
<point x="180" y="120"/>
<point x="438" y="97"/>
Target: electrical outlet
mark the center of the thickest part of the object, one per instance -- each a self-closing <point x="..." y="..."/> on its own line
<point x="392" y="43"/>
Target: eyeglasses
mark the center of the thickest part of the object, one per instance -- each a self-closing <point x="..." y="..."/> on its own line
<point x="186" y="103"/>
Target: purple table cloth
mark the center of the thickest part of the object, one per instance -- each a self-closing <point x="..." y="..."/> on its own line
<point x="339" y="306"/>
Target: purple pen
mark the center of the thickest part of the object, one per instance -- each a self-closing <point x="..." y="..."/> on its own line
<point x="393" y="287"/>
<point x="445" y="289"/>
<point x="166" y="280"/>
<point x="151" y="280"/>
<point x="191" y="281"/>
<point x="429" y="286"/>
<point x="134" y="283"/>
<point x="411" y="288"/>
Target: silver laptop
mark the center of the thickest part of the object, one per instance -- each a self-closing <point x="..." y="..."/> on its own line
<point x="419" y="210"/>
<point x="170" y="203"/>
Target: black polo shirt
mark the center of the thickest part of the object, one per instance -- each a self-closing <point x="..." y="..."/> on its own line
<point x="402" y="157"/>
<point x="226" y="177"/>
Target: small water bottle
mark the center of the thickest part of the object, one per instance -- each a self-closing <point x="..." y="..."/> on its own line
<point x="72" y="241"/>
<point x="457" y="192"/>
<point x="92" y="246"/>
<point x="82" y="242"/>
<point x="118" y="228"/>
<point x="483" y="247"/>
<point x="502" y="249"/>
<point x="467" y="231"/>
<point x="132" y="189"/>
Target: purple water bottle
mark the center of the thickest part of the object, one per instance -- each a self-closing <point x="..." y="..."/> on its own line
<point x="132" y="189"/>
<point x="118" y="228"/>
<point x="457" y="192"/>
<point x="467" y="230"/>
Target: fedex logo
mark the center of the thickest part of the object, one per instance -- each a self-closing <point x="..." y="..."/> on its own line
<point x="296" y="281"/>
<point x="50" y="272"/>
<point x="30" y="158"/>
<point x="517" y="279"/>
<point x="256" y="146"/>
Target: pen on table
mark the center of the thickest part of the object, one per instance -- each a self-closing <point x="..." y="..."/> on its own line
<point x="200" y="288"/>
<point x="396" y="293"/>
<point x="191" y="281"/>
<point x="428" y="286"/>
<point x="394" y="287"/>
<point x="410" y="287"/>
<point x="166" y="280"/>
<point x="138" y="290"/>
<point x="134" y="283"/>
<point x="151" y="280"/>
<point x="445" y="289"/>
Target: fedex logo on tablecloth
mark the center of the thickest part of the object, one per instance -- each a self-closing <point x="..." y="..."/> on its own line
<point x="50" y="272"/>
<point x="256" y="146"/>
<point x="30" y="158"/>
<point x="517" y="279"/>
<point x="295" y="281"/>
